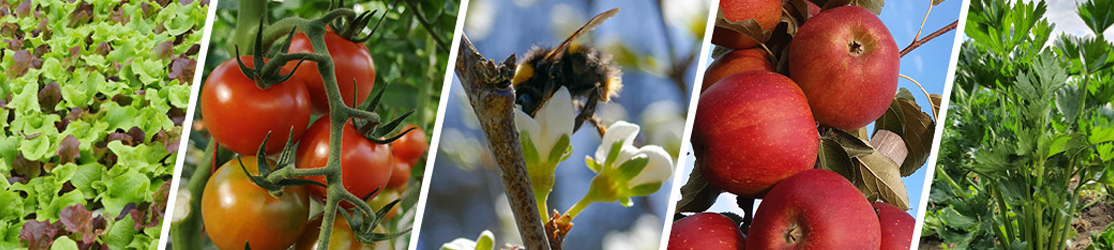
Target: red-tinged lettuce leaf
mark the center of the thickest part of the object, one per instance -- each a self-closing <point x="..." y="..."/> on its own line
<point x="79" y="220"/>
<point x="68" y="150"/>
<point x="39" y="234"/>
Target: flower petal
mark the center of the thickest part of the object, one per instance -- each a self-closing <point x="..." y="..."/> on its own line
<point x="555" y="118"/>
<point x="524" y="123"/>
<point x="658" y="169"/>
<point x="620" y="130"/>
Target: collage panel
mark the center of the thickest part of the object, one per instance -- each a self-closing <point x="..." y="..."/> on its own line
<point x="1025" y="157"/>
<point x="571" y="139"/>
<point x="818" y="136"/>
<point x="293" y="147"/>
<point x="93" y="96"/>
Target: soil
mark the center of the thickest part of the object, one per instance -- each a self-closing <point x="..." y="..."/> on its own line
<point x="930" y="243"/>
<point x="1092" y="220"/>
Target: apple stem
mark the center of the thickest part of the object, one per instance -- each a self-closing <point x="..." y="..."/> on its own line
<point x="934" y="111"/>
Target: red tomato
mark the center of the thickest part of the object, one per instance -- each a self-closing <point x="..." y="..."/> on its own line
<point x="411" y="147"/>
<point x="400" y="174"/>
<point x="239" y="114"/>
<point x="351" y="61"/>
<point x="236" y="211"/>
<point x="365" y="165"/>
<point x="341" y="238"/>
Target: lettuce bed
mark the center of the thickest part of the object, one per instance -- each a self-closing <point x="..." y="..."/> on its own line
<point x="92" y="99"/>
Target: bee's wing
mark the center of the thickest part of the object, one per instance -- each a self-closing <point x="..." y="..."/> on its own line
<point x="592" y="24"/>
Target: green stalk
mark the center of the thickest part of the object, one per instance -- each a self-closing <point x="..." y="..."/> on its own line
<point x="247" y="20"/>
<point x="1003" y="211"/>
<point x="187" y="233"/>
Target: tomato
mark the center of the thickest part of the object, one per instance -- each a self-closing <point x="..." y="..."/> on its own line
<point x="400" y="173"/>
<point x="351" y="61"/>
<point x="365" y="165"/>
<point x="411" y="147"/>
<point x="341" y="238"/>
<point x="239" y="114"/>
<point x="236" y="211"/>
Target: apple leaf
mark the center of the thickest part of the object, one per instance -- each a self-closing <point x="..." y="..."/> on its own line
<point x="833" y="158"/>
<point x="937" y="2"/>
<point x="748" y="27"/>
<point x="905" y="118"/>
<point x="890" y="144"/>
<point x="830" y="4"/>
<point x="801" y="10"/>
<point x="719" y="51"/>
<point x="697" y="195"/>
<point x="872" y="5"/>
<point x="935" y="99"/>
<point x="854" y="146"/>
<point x="880" y="176"/>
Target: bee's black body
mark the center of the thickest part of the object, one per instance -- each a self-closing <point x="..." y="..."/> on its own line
<point x="585" y="71"/>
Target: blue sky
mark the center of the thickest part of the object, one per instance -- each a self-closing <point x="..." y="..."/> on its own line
<point x="927" y="64"/>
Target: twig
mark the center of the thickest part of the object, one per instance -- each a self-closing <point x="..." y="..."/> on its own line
<point x="922" y="41"/>
<point x="922" y="22"/>
<point x="492" y="99"/>
<point x="934" y="111"/>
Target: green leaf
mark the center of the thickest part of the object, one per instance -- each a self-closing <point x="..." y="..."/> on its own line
<point x="879" y="175"/>
<point x="1097" y="14"/>
<point x="63" y="243"/>
<point x="126" y="188"/>
<point x="833" y="158"/>
<point x="697" y="195"/>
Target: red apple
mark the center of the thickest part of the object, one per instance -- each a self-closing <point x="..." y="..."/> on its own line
<point x="815" y="209"/>
<point x="812" y="8"/>
<point x="897" y="226"/>
<point x="752" y="130"/>
<point x="706" y="231"/>
<point x="847" y="64"/>
<point x="733" y="62"/>
<point x="767" y="13"/>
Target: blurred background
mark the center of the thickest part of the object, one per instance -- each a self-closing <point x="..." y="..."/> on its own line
<point x="928" y="64"/>
<point x="656" y="44"/>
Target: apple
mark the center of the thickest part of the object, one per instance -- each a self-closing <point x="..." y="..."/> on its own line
<point x="897" y="226"/>
<point x="847" y="64"/>
<point x="736" y="61"/>
<point x="752" y="130"/>
<point x="706" y="231"/>
<point x="814" y="209"/>
<point x="767" y="13"/>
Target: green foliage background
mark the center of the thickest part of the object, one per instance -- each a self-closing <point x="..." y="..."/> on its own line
<point x="409" y="53"/>
<point x="1029" y="130"/>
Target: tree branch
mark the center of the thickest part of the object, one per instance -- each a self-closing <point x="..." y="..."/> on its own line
<point x="918" y="43"/>
<point x="492" y="99"/>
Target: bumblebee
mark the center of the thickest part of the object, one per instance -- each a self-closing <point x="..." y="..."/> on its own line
<point x="587" y="73"/>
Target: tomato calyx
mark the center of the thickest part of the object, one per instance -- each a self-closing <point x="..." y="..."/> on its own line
<point x="352" y="30"/>
<point x="265" y="180"/>
<point x="375" y="131"/>
<point x="364" y="228"/>
<point x="267" y="73"/>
